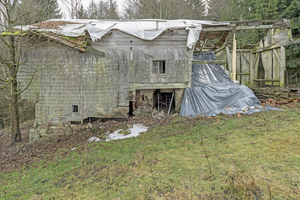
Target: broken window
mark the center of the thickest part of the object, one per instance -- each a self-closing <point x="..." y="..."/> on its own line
<point x="74" y="108"/>
<point x="159" y="67"/>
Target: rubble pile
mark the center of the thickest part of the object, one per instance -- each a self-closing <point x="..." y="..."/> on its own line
<point x="146" y="112"/>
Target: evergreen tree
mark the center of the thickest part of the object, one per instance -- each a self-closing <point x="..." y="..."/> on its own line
<point x="112" y="12"/>
<point x="291" y="10"/>
<point x="102" y="10"/>
<point x="92" y="10"/>
<point x="165" y="9"/>
<point x="81" y="13"/>
<point x="48" y="9"/>
<point x="221" y="10"/>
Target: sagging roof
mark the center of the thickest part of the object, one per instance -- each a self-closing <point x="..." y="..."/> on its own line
<point x="63" y="30"/>
<point x="147" y="29"/>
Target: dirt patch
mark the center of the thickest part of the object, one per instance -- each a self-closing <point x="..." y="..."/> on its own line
<point x="24" y="153"/>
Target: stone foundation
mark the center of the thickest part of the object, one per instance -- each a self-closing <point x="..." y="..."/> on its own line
<point x="46" y="131"/>
<point x="275" y="93"/>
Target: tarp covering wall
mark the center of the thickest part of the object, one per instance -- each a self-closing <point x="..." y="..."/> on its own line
<point x="213" y="92"/>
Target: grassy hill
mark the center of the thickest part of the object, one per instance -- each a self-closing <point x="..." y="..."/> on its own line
<point x="225" y="157"/>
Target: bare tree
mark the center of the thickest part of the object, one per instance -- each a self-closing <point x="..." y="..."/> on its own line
<point x="13" y="12"/>
<point x="102" y="10"/>
<point x="16" y="41"/>
<point x="72" y="7"/>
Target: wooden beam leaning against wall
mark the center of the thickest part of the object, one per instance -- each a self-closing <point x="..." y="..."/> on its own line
<point x="234" y="58"/>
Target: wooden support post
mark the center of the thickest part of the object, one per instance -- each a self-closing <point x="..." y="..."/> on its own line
<point x="234" y="59"/>
<point x="282" y="65"/>
<point x="251" y="57"/>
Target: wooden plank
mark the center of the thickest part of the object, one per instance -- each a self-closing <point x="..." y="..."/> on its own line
<point x="282" y="65"/>
<point x="267" y="60"/>
<point x="251" y="57"/>
<point x="268" y="80"/>
<point x="276" y="46"/>
<point x="276" y="66"/>
<point x="229" y="27"/>
<point x="228" y="55"/>
<point x="254" y="67"/>
<point x="267" y="63"/>
<point x="245" y="67"/>
<point x="234" y="58"/>
<point x="238" y="66"/>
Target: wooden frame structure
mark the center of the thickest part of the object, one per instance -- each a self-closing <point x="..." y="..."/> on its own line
<point x="243" y="63"/>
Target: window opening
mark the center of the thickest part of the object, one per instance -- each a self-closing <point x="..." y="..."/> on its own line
<point x="74" y="108"/>
<point x="159" y="67"/>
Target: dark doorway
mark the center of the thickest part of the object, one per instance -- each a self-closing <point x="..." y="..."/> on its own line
<point x="163" y="100"/>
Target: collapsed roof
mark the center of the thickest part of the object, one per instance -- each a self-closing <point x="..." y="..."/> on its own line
<point x="147" y="29"/>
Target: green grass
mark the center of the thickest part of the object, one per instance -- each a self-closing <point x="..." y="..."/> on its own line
<point x="253" y="157"/>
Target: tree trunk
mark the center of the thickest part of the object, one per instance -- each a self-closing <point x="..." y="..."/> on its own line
<point x="14" y="107"/>
<point x="14" y="113"/>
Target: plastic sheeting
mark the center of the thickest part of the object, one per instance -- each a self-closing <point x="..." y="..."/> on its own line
<point x="147" y="29"/>
<point x="213" y="92"/>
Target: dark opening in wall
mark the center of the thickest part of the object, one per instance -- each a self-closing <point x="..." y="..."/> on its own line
<point x="130" y="108"/>
<point x="88" y="120"/>
<point x="74" y="108"/>
<point x="163" y="100"/>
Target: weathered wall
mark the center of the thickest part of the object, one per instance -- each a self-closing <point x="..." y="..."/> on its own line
<point x="102" y="80"/>
<point x="170" y="46"/>
<point x="91" y="81"/>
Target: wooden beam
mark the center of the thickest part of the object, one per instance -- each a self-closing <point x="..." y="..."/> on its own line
<point x="277" y="46"/>
<point x="219" y="39"/>
<point x="229" y="61"/>
<point x="269" y="80"/>
<point x="234" y="59"/>
<point x="239" y="28"/>
<point x="204" y="42"/>
<point x="261" y="21"/>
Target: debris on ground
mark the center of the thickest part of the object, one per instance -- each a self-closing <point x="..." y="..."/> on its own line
<point x="291" y="102"/>
<point x="146" y="111"/>
<point x="93" y="139"/>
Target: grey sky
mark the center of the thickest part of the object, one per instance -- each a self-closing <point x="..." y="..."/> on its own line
<point x="85" y="3"/>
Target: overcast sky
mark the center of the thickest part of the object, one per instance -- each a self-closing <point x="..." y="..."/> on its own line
<point x="85" y="3"/>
